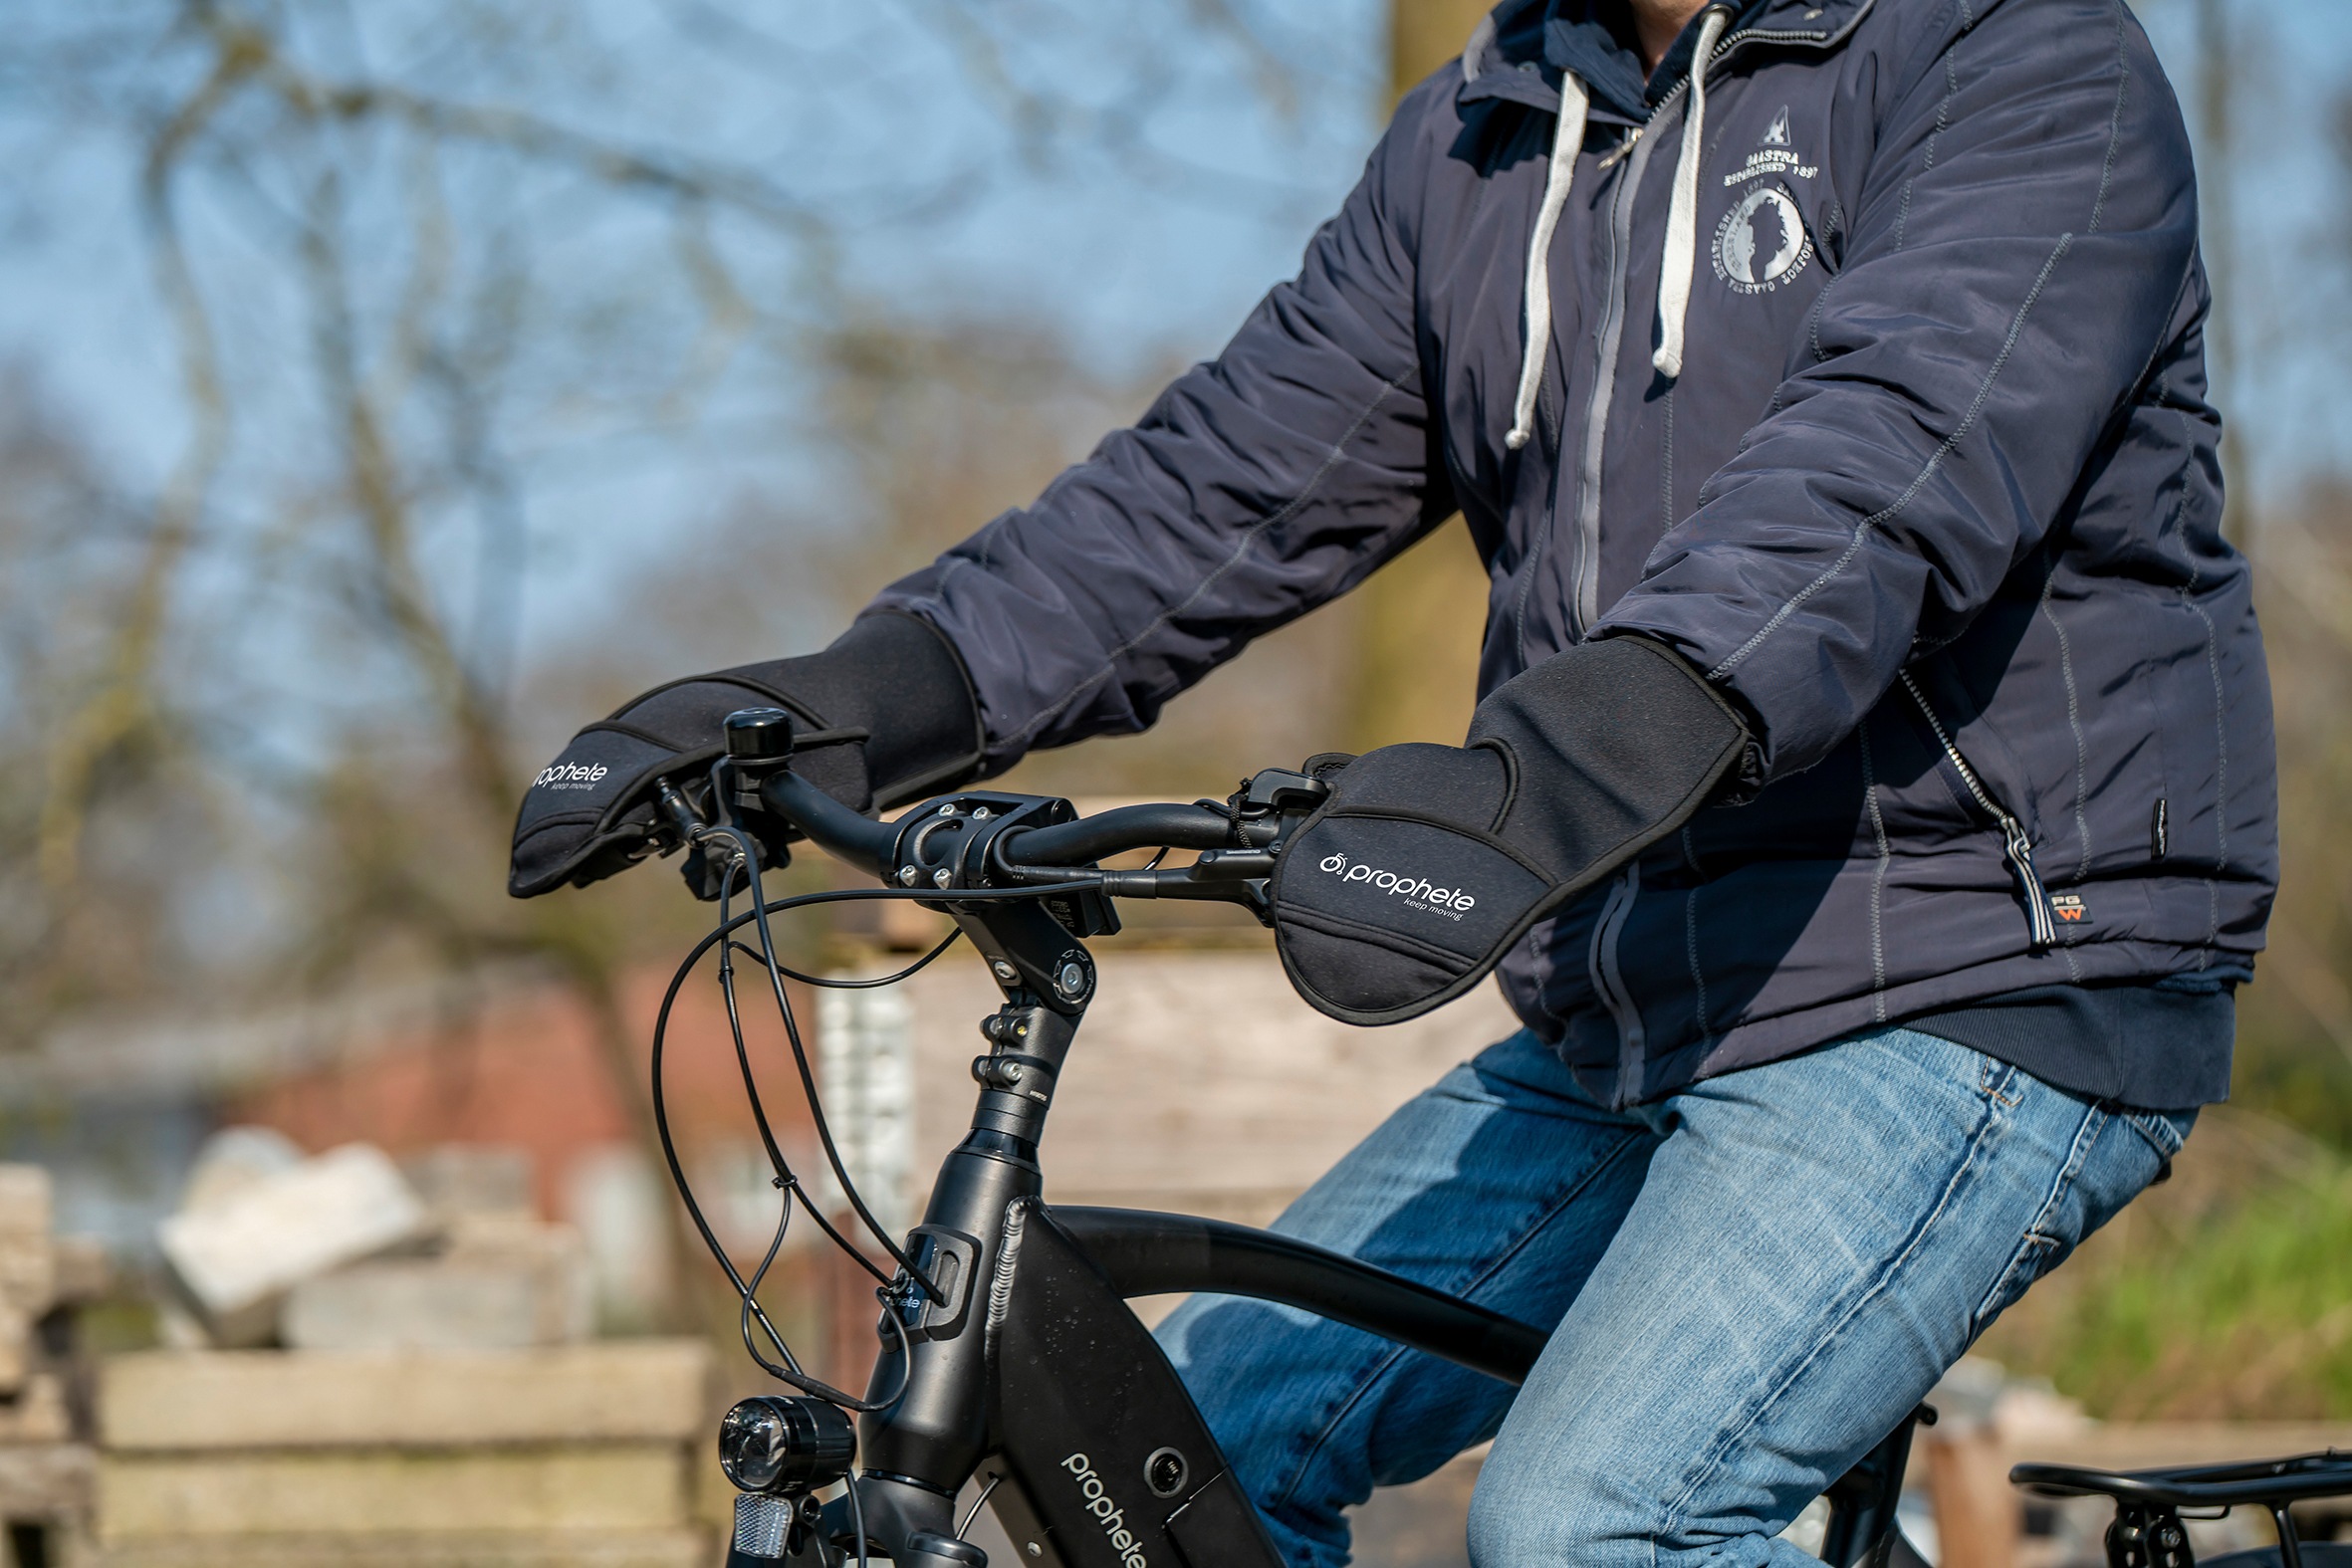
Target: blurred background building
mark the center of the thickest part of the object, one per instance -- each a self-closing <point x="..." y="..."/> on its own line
<point x="385" y="389"/>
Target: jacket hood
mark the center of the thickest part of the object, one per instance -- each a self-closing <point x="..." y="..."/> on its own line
<point x="1519" y="50"/>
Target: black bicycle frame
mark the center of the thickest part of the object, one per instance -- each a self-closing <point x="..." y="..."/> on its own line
<point x="1029" y="1373"/>
<point x="1021" y="1364"/>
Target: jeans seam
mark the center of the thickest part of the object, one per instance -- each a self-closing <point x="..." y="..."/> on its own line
<point x="1486" y="1272"/>
<point x="1998" y="1081"/>
<point x="2037" y="1238"/>
<point x="2156" y="1128"/>
<point x="1712" y="1459"/>
<point x="2086" y="1137"/>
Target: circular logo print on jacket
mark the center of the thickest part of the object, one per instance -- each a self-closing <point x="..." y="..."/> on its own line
<point x="1762" y="243"/>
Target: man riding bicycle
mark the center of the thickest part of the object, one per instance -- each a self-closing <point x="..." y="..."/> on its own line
<point x="1870" y="807"/>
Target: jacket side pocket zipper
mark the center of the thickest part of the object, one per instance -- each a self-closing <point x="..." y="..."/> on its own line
<point x="1609" y="980"/>
<point x="2016" y="848"/>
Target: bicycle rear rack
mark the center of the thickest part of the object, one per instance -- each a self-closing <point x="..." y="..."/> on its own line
<point x="2148" y="1533"/>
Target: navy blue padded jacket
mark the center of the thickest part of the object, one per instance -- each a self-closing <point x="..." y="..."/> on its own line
<point x="1933" y="498"/>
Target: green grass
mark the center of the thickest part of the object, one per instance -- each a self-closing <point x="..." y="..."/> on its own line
<point x="2226" y="1295"/>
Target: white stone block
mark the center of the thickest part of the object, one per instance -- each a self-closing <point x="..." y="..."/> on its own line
<point x="462" y="1178"/>
<point x="324" y="1492"/>
<point x="671" y="1549"/>
<point x="233" y="1159"/>
<point x="15" y="1349"/>
<point x="1198" y="1083"/>
<point x="84" y="1273"/>
<point x="38" y="1413"/>
<point x="414" y="1304"/>
<point x="557" y="1257"/>
<point x="215" y="1400"/>
<point x="47" y="1480"/>
<point x="503" y="1284"/>
<point x="28" y="1271"/>
<point x="255" y="1243"/>
<point x="25" y="1201"/>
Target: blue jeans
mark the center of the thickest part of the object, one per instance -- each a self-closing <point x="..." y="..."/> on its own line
<point x="1753" y="1280"/>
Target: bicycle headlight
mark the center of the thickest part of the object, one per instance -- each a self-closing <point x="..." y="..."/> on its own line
<point x="775" y="1443"/>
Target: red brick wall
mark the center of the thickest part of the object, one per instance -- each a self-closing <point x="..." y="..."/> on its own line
<point x="524" y="1070"/>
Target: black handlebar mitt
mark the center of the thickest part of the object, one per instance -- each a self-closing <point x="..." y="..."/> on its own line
<point x="884" y="716"/>
<point x="1427" y="862"/>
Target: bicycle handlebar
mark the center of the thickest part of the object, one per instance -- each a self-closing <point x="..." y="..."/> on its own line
<point x="872" y="846"/>
<point x="1119" y="829"/>
<point x="830" y="825"/>
<point x="973" y="840"/>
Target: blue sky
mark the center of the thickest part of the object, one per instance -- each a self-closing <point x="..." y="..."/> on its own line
<point x="1137" y="259"/>
<point x="853" y="103"/>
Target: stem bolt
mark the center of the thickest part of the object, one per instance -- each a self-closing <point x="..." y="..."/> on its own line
<point x="1164" y="1472"/>
<point x="942" y="877"/>
<point x="908" y="876"/>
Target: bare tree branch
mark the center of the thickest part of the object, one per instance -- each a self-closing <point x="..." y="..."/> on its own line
<point x="122" y="701"/>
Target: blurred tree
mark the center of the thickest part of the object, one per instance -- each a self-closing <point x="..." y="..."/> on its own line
<point x="1002" y="407"/>
<point x="1425" y="34"/>
<point x="1420" y="622"/>
<point x="2295" y="1057"/>
<point x="412" y="260"/>
<point x="2294" y="1051"/>
<point x="149" y="847"/>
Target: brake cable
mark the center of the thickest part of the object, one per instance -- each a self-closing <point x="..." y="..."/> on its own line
<point x="789" y="1368"/>
<point x="892" y="1292"/>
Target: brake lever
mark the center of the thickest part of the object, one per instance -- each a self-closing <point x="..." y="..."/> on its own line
<point x="1213" y="876"/>
<point x="1222" y="876"/>
<point x="1266" y="810"/>
<point x="685" y="821"/>
<point x="1278" y="793"/>
<point x="712" y="855"/>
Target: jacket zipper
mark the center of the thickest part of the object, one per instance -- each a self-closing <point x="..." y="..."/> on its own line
<point x="2016" y="847"/>
<point x="1609" y="980"/>
<point x="1584" y="595"/>
<point x="1584" y="603"/>
<point x="1588" y="478"/>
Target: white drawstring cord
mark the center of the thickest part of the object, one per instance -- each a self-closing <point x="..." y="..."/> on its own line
<point x="1568" y="140"/>
<point x="1682" y="215"/>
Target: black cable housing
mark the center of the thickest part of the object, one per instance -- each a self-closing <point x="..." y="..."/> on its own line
<point x="784" y="1366"/>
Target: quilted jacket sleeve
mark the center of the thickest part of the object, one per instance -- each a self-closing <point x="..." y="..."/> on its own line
<point x="2025" y="246"/>
<point x="1259" y="486"/>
